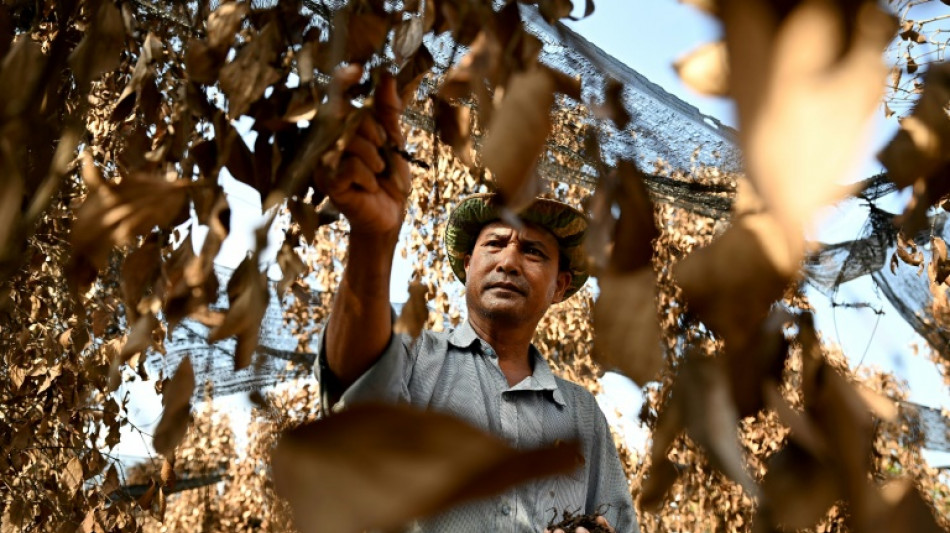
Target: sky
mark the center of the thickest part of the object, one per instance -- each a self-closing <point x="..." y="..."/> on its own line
<point x="649" y="37"/>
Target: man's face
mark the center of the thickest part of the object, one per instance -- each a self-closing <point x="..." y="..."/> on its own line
<point x="514" y="274"/>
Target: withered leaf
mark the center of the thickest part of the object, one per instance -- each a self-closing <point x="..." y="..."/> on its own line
<point x="731" y="284"/>
<point x="788" y="81"/>
<point x="140" y="337"/>
<point x="248" y="295"/>
<point x="176" y="397"/>
<point x="516" y="136"/>
<point x="635" y="229"/>
<point x="628" y="336"/>
<point x="415" y="312"/>
<point x="710" y="416"/>
<point x="113" y="214"/>
<point x="223" y="23"/>
<point x="799" y="488"/>
<point x="139" y="272"/>
<point x="663" y="474"/>
<point x="453" y="124"/>
<point x="100" y="47"/>
<point x="291" y="266"/>
<point x="20" y="71"/>
<point x="245" y="79"/>
<point x="940" y="265"/>
<point x="407" y="38"/>
<point x="392" y="463"/>
<point x="554" y="10"/>
<point x="706" y="69"/>
<point x="751" y="369"/>
<point x="613" y="107"/>
<point x="72" y="476"/>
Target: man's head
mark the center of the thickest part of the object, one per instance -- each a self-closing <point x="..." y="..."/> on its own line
<point x="516" y="271"/>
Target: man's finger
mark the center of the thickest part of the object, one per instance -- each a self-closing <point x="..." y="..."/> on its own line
<point x="353" y="168"/>
<point x="603" y="521"/>
<point x="367" y="152"/>
<point x="343" y="79"/>
<point x="372" y="130"/>
<point x="389" y="108"/>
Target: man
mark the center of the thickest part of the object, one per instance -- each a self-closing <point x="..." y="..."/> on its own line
<point x="486" y="371"/>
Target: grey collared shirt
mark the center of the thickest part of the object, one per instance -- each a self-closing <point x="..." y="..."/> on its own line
<point x="458" y="373"/>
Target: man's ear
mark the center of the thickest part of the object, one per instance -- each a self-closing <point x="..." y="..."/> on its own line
<point x="466" y="261"/>
<point x="563" y="283"/>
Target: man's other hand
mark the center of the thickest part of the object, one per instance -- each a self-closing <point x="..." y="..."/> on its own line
<point x="372" y="182"/>
<point x="600" y="521"/>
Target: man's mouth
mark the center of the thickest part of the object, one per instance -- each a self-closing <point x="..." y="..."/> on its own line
<point x="507" y="286"/>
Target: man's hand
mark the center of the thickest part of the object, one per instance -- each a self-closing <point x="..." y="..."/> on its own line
<point x="371" y="187"/>
<point x="601" y="521"/>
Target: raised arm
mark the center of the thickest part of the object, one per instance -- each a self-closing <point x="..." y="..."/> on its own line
<point x="371" y="193"/>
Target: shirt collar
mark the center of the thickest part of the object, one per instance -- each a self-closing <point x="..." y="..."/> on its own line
<point x="542" y="378"/>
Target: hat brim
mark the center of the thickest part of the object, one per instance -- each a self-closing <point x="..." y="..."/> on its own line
<point x="568" y="225"/>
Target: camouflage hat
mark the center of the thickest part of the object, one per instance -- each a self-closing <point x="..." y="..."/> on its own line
<point x="567" y="224"/>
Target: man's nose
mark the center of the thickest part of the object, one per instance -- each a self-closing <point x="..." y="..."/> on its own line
<point x="509" y="260"/>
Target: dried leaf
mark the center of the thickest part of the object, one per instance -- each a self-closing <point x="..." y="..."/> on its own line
<point x="249" y="296"/>
<point x="613" y="107"/>
<point x="391" y="463"/>
<point x="628" y="336"/>
<point x="710" y="416"/>
<point x="291" y="266"/>
<point x="663" y="474"/>
<point x="792" y="67"/>
<point x="517" y="134"/>
<point x="799" y="488"/>
<point x="20" y="71"/>
<point x="414" y="314"/>
<point x="940" y="265"/>
<point x="245" y="79"/>
<point x="176" y="397"/>
<point x="636" y="229"/>
<point x="99" y="50"/>
<point x="762" y="362"/>
<point x="706" y="69"/>
<point x="453" y="124"/>
<point x="407" y="38"/>
<point x="223" y="23"/>
<point x="72" y="476"/>
<point x="731" y="284"/>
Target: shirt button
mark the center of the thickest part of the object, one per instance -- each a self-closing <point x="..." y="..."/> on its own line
<point x="506" y="509"/>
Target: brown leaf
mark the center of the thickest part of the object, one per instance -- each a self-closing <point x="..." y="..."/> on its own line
<point x="517" y="134"/>
<point x="20" y="71"/>
<point x="99" y="50"/>
<point x="636" y="229"/>
<point x="613" y="107"/>
<point x="249" y="296"/>
<point x="291" y="266"/>
<point x="72" y="476"/>
<point x="663" y="474"/>
<point x="176" y="397"/>
<point x="731" y="284"/>
<point x="763" y="361"/>
<point x="391" y="463"/>
<point x="140" y="271"/>
<point x="706" y="69"/>
<point x="453" y="124"/>
<point x="901" y="509"/>
<point x="113" y="214"/>
<point x="710" y="416"/>
<point x="554" y="10"/>
<point x="245" y="79"/>
<point x="151" y="53"/>
<point x="407" y="37"/>
<point x="168" y="472"/>
<point x="799" y="488"/>
<point x="803" y="431"/>
<point x="223" y="23"/>
<point x="111" y="481"/>
<point x="940" y="264"/>
<point x="627" y="328"/>
<point x="415" y="312"/>
<point x="794" y="66"/>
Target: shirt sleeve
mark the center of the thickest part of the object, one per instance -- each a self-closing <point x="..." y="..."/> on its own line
<point x="385" y="381"/>
<point x="608" y="483"/>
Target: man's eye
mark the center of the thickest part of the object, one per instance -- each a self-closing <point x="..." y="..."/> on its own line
<point x="534" y="251"/>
